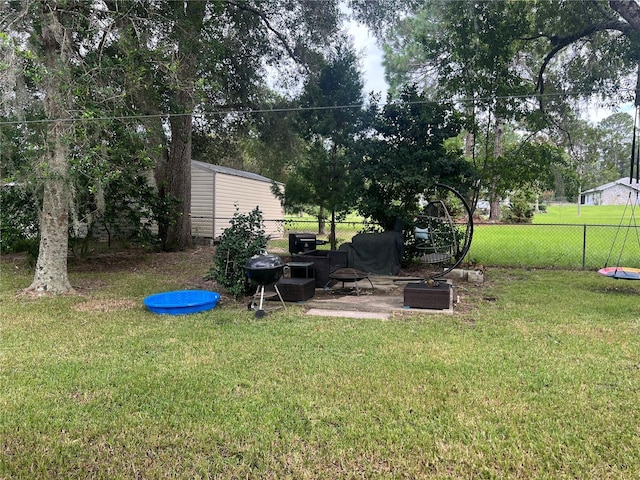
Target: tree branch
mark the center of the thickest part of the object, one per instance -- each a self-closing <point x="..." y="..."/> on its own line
<point x="629" y="10"/>
<point x="7" y="21"/>
<point x="559" y="43"/>
<point x="283" y="40"/>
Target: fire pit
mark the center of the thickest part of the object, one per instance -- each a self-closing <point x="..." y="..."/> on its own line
<point x="263" y="270"/>
<point x="350" y="275"/>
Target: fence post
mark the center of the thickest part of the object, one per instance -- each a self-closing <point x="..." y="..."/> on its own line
<point x="584" y="246"/>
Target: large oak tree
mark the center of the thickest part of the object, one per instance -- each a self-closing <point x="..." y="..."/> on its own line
<point x="177" y="60"/>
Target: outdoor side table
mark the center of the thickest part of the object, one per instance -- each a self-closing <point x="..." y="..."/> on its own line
<point x="301" y="285"/>
<point x="301" y="269"/>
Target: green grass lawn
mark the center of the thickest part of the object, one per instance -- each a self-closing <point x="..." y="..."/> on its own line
<point x="567" y="213"/>
<point x="563" y="239"/>
<point x="555" y="246"/>
<point x="537" y="375"/>
<point x="557" y="213"/>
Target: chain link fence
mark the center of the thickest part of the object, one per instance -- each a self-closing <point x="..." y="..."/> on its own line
<point x="566" y="246"/>
<point x="556" y="246"/>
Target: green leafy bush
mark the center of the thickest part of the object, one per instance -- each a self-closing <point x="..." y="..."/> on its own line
<point x="244" y="238"/>
<point x="520" y="209"/>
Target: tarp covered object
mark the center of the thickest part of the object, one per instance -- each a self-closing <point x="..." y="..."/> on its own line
<point x="378" y="253"/>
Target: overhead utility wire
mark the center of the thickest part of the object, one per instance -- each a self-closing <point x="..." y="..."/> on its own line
<point x="251" y="111"/>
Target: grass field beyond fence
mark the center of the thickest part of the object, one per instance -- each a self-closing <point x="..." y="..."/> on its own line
<point x="566" y="236"/>
<point x="557" y="246"/>
<point x="570" y="213"/>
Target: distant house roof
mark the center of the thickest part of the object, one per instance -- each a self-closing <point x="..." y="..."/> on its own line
<point x="634" y="185"/>
<point x="231" y="171"/>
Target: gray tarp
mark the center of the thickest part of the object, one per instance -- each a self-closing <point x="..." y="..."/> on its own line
<point x="378" y="253"/>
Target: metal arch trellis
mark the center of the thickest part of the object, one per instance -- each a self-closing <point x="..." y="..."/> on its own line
<point x="442" y="240"/>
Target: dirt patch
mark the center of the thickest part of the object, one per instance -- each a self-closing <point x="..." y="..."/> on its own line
<point x="135" y="259"/>
<point x="191" y="266"/>
<point x="106" y="305"/>
<point x="88" y="285"/>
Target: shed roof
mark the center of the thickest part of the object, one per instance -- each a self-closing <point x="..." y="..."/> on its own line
<point x="634" y="185"/>
<point x="230" y="171"/>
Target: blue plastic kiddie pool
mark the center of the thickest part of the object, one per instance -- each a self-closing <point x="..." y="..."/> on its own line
<point x="182" y="302"/>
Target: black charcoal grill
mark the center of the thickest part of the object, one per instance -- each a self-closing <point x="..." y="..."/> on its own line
<point x="264" y="270"/>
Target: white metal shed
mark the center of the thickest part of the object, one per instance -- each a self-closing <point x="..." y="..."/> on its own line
<point x="216" y="192"/>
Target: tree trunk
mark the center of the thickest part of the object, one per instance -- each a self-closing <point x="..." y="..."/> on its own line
<point x="494" y="200"/>
<point x="469" y="144"/>
<point x="628" y="10"/>
<point x="51" y="268"/>
<point x="178" y="182"/>
<point x="321" y="221"/>
<point x="51" y="274"/>
<point x="332" y="235"/>
<point x="177" y="178"/>
<point x="494" y="208"/>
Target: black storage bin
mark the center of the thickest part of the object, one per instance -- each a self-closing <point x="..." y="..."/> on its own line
<point x="296" y="289"/>
<point x="421" y="295"/>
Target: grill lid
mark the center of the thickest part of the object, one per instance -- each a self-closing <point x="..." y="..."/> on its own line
<point x="264" y="262"/>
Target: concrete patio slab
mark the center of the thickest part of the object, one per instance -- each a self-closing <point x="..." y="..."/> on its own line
<point x="384" y="301"/>
<point x="347" y="314"/>
<point x="388" y="305"/>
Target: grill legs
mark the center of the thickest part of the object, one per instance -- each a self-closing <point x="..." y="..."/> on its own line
<point x="257" y="303"/>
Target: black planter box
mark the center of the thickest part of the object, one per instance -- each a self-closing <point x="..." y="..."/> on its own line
<point x="296" y="289"/>
<point x="324" y="262"/>
<point x="422" y="295"/>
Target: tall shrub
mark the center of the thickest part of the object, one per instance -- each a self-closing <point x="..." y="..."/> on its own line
<point x="244" y="238"/>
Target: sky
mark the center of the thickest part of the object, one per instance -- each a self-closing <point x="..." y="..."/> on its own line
<point x="370" y="59"/>
<point x="596" y="114"/>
